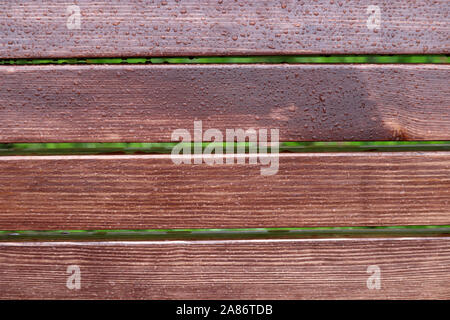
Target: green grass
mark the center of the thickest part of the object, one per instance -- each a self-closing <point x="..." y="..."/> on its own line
<point x="249" y="233"/>
<point x="251" y="59"/>
<point x="166" y="148"/>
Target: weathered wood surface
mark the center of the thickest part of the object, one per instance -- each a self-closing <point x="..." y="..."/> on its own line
<point x="117" y="103"/>
<point x="37" y="29"/>
<point x="409" y="268"/>
<point x="151" y="192"/>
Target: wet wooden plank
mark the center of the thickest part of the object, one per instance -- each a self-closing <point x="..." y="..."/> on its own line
<point x="117" y="103"/>
<point x="151" y="192"/>
<point x="40" y="29"/>
<point x="408" y="268"/>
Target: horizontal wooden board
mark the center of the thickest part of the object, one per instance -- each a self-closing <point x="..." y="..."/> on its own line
<point x="117" y="103"/>
<point x="151" y="192"/>
<point x="409" y="268"/>
<point x="41" y="29"/>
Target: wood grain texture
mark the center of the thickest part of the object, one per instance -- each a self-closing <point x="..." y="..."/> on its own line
<point x="151" y="192"/>
<point x="37" y="29"/>
<point x="116" y="103"/>
<point x="411" y="268"/>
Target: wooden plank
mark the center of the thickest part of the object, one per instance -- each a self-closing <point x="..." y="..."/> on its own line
<point x="409" y="268"/>
<point x="116" y="28"/>
<point x="151" y="192"/>
<point x="117" y="103"/>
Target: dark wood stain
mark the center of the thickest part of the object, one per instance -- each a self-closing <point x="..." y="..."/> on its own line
<point x="410" y="268"/>
<point x="117" y="103"/>
<point x="120" y="103"/>
<point x="147" y="192"/>
<point x="191" y="28"/>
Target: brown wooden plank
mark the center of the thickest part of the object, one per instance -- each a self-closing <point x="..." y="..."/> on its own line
<point x="36" y="29"/>
<point x="117" y="103"/>
<point x="151" y="192"/>
<point x="409" y="268"/>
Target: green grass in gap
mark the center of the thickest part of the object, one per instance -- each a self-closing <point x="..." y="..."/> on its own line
<point x="251" y="59"/>
<point x="166" y="148"/>
<point x="253" y="233"/>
